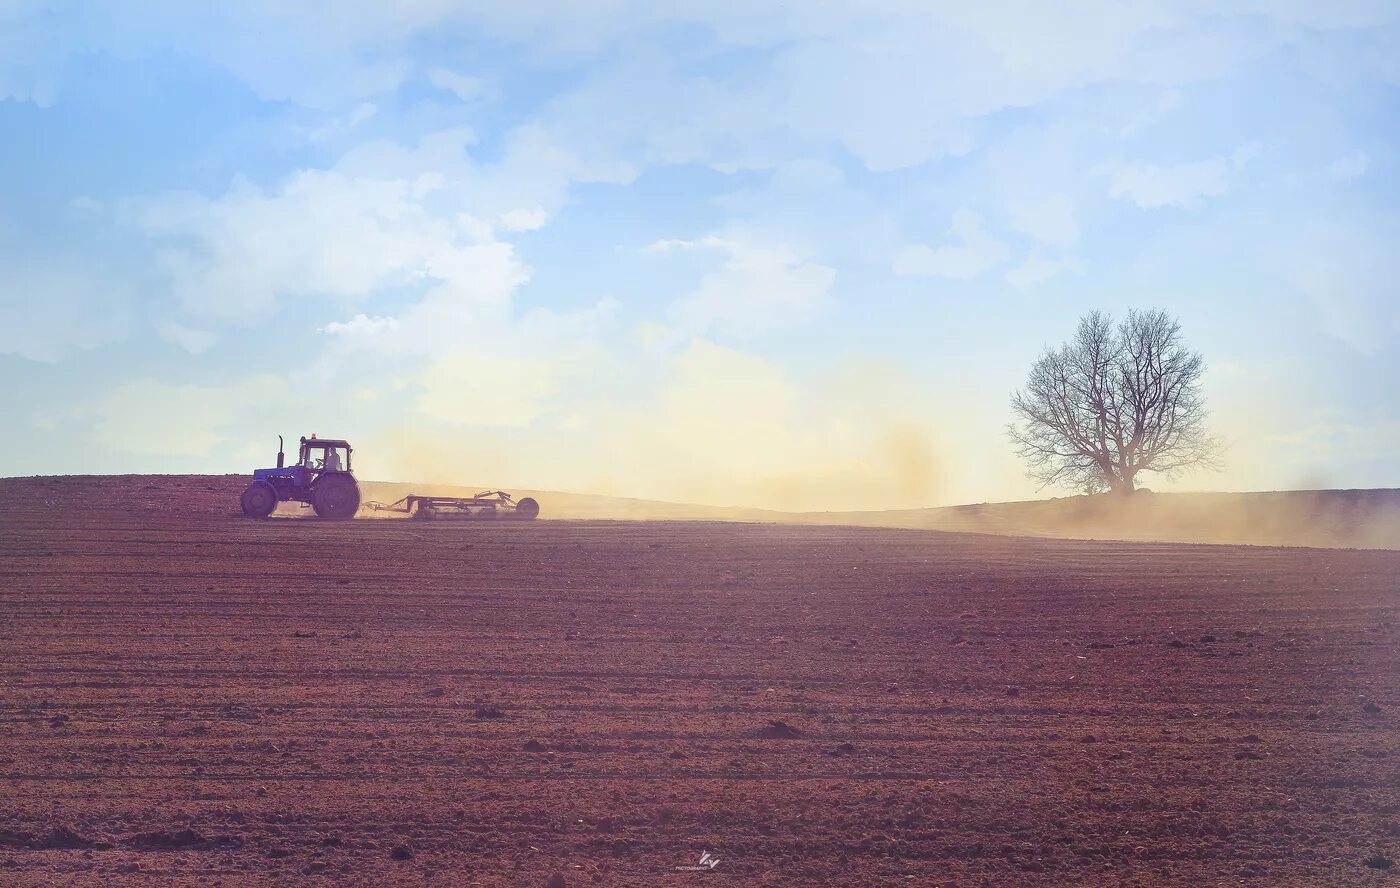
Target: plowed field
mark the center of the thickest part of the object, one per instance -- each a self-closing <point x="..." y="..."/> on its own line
<point x="191" y="697"/>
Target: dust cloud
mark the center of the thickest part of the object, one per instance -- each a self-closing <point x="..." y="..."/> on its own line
<point x="897" y="465"/>
<point x="720" y="428"/>
<point x="1326" y="518"/>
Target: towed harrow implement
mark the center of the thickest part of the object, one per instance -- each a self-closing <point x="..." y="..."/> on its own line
<point x="488" y="504"/>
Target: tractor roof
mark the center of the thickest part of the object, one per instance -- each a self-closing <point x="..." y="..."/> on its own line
<point x="325" y="442"/>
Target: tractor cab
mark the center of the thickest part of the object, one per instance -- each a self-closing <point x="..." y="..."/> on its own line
<point x="320" y="478"/>
<point x="324" y="455"/>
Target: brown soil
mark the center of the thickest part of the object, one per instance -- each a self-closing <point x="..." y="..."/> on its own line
<point x="190" y="697"/>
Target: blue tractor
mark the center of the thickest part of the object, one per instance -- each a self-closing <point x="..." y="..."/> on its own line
<point x="321" y="478"/>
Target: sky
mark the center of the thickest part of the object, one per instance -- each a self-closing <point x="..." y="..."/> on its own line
<point x="792" y="255"/>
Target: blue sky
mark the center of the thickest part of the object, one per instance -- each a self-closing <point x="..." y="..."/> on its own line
<point x="792" y="255"/>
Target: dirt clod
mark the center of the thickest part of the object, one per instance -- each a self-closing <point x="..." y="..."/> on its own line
<point x="401" y="852"/>
<point x="65" y="838"/>
<point x="181" y="840"/>
<point x="778" y="730"/>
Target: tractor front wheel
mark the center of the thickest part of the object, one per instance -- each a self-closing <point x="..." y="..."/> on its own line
<point x="258" y="500"/>
<point x="336" y="497"/>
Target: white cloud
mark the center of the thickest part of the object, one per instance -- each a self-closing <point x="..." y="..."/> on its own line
<point x="1345" y="169"/>
<point x="1038" y="269"/>
<point x="891" y="79"/>
<point x="813" y="209"/>
<point x="312" y="55"/>
<point x="1047" y="219"/>
<point x="975" y="252"/>
<point x="1167" y="101"/>
<point x="895" y="84"/>
<point x="386" y="219"/>
<point x="340" y="126"/>
<point x="166" y="419"/>
<point x="532" y="174"/>
<point x="1036" y="173"/>
<point x="50" y="311"/>
<point x="1178" y="185"/>
<point x="190" y="339"/>
<point x="524" y="220"/>
<point x="1351" y="272"/>
<point x="756" y="289"/>
<point x="361" y="325"/>
<point x="466" y="88"/>
<point x="319" y="233"/>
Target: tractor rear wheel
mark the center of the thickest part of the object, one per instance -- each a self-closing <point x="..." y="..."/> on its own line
<point x="336" y="497"/>
<point x="527" y="508"/>
<point x="258" y="500"/>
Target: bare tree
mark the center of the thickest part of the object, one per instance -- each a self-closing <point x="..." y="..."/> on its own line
<point x="1114" y="401"/>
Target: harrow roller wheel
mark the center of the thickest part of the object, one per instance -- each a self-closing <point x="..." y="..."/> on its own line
<point x="527" y="508"/>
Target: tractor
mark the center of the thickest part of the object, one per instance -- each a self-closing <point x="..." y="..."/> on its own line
<point x="321" y="477"/>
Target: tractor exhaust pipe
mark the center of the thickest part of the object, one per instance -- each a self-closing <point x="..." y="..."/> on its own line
<point x="281" y="456"/>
